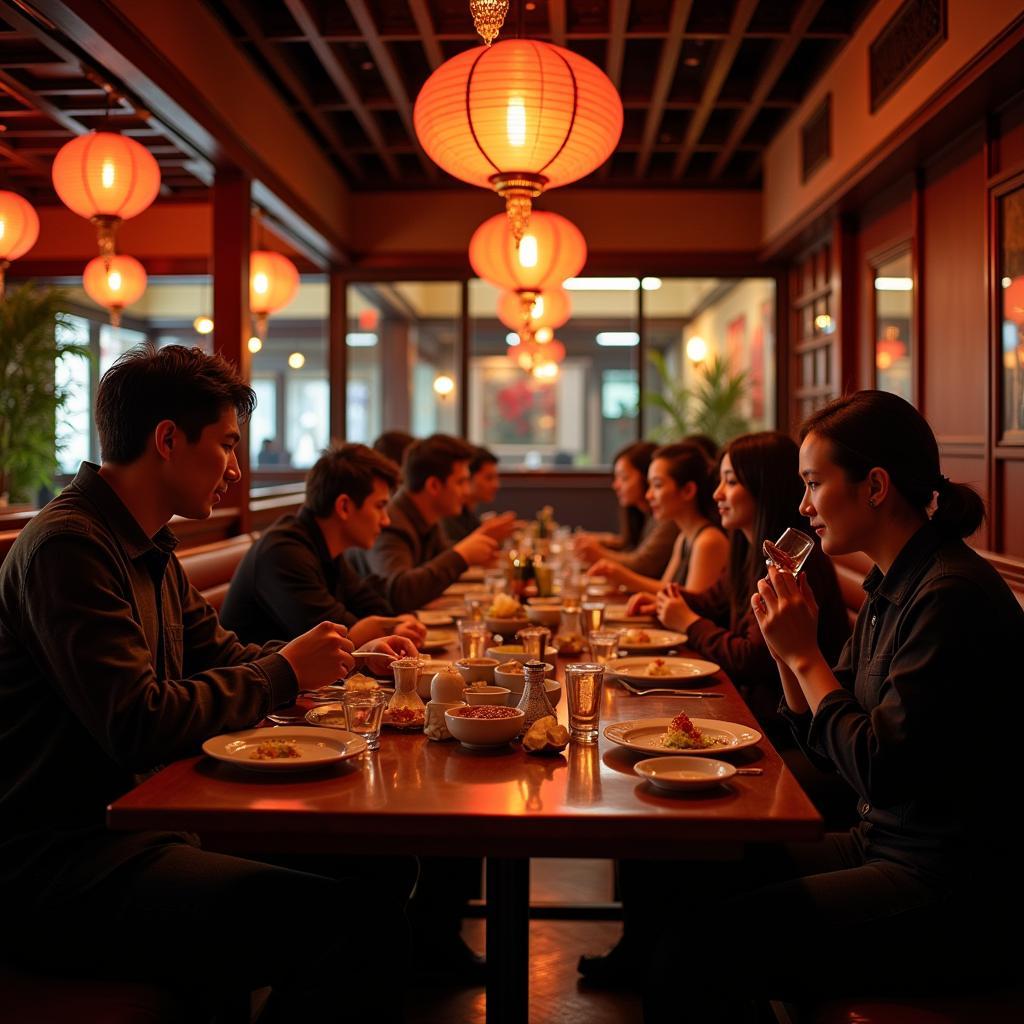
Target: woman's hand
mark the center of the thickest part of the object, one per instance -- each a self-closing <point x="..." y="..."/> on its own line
<point x="615" y="572"/>
<point x="672" y="610"/>
<point x="587" y="548"/>
<point x="787" y="613"/>
<point x="396" y="646"/>
<point x="641" y="604"/>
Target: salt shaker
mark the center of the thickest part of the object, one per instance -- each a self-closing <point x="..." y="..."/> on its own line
<point x="534" y="702"/>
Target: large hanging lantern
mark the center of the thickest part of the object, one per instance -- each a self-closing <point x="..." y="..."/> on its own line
<point x="106" y="178"/>
<point x="552" y="250"/>
<point x="550" y="308"/>
<point x="273" y="282"/>
<point x="19" y="230"/>
<point x="521" y="116"/>
<point x="116" y="286"/>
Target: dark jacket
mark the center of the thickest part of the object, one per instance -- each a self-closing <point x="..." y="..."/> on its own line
<point x="110" y="664"/>
<point x="462" y="525"/>
<point x="413" y="558"/>
<point x="287" y="583"/>
<point x="925" y="726"/>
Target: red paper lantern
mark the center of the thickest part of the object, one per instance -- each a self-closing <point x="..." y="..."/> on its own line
<point x="1013" y="301"/>
<point x="107" y="178"/>
<point x="273" y="283"/>
<point x="116" y="286"/>
<point x="520" y="117"/>
<point x="552" y="250"/>
<point x="19" y="230"/>
<point x="551" y="308"/>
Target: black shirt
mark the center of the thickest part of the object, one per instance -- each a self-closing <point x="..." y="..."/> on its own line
<point x="287" y="583"/>
<point x="925" y="726"/>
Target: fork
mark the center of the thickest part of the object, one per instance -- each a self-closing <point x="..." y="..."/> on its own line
<point x="665" y="690"/>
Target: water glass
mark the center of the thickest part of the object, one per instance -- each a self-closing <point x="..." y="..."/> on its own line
<point x="473" y="636"/>
<point x="583" y="686"/>
<point x="494" y="582"/>
<point x="364" y="713"/>
<point x="593" y="615"/>
<point x="476" y="604"/>
<point x="534" y="640"/>
<point x="789" y="552"/>
<point x="604" y="645"/>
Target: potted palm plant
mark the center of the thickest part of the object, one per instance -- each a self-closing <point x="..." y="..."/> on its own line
<point x="30" y="399"/>
<point x="711" y="407"/>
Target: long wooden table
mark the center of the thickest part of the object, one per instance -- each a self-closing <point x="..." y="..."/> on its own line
<point x="414" y="796"/>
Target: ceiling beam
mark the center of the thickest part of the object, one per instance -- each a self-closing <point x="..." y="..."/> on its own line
<point x="392" y="77"/>
<point x="33" y="101"/>
<point x="339" y="76"/>
<point x="427" y="35"/>
<point x="780" y="58"/>
<point x="619" y="18"/>
<point x="241" y="12"/>
<point x="556" y="21"/>
<point x="713" y="86"/>
<point x="670" y="50"/>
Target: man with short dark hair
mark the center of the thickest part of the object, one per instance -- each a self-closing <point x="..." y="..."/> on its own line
<point x="112" y="664"/>
<point x="294" y="576"/>
<point x="412" y="553"/>
<point x="483" y="488"/>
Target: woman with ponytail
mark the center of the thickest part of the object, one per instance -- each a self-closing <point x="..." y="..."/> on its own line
<point x="920" y="716"/>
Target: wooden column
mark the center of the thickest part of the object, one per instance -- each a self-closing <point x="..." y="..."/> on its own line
<point x="231" y="245"/>
<point x="337" y="355"/>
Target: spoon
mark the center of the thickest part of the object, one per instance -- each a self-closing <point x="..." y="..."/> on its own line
<point x="665" y="690"/>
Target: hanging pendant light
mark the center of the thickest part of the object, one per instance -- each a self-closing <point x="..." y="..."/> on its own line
<point x="273" y="283"/>
<point x="488" y="17"/>
<point x="550" y="308"/>
<point x="521" y="116"/>
<point x="552" y="250"/>
<point x="19" y="230"/>
<point x="116" y="286"/>
<point x="106" y="178"/>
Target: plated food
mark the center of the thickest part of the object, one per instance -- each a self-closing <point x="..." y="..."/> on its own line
<point x="648" y="736"/>
<point x="634" y="639"/>
<point x="682" y="734"/>
<point x="659" y="667"/>
<point x="669" y="670"/>
<point x="270" y="749"/>
<point x="284" y="749"/>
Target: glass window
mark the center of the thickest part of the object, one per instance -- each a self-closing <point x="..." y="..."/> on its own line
<point x="74" y="424"/>
<point x="263" y="430"/>
<point x="408" y="331"/>
<point x="1011" y="281"/>
<point x="894" y="318"/>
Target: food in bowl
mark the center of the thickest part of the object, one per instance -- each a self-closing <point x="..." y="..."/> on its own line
<point x="487" y="712"/>
<point x="487" y="725"/>
<point x="682" y="734"/>
<point x="477" y="670"/>
<point x="505" y="607"/>
<point x="479" y="694"/>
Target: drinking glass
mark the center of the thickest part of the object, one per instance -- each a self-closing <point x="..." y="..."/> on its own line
<point x="534" y="640"/>
<point x="364" y="713"/>
<point x="494" y="581"/>
<point x="789" y="552"/>
<point x="473" y="637"/>
<point x="583" y="684"/>
<point x="604" y="645"/>
<point x="476" y="603"/>
<point x="593" y="615"/>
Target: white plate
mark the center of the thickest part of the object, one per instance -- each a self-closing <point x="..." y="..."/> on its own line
<point x="617" y="613"/>
<point x="438" y="639"/>
<point x="634" y="670"/>
<point x="429" y="618"/>
<point x="660" y="640"/>
<point x="645" y="735"/>
<point x="680" y="773"/>
<point x="317" y="746"/>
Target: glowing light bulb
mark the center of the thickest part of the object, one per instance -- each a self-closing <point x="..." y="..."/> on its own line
<point x="296" y="360"/>
<point x="255" y="344"/>
<point x="108" y="173"/>
<point x="260" y="283"/>
<point x="202" y="325"/>
<point x="543" y="335"/>
<point x="3" y="228"/>
<point x="528" y="251"/>
<point x="545" y="371"/>
<point x="443" y="385"/>
<point x="114" y="280"/>
<point x="515" y="121"/>
<point x="537" y="310"/>
<point x="696" y="349"/>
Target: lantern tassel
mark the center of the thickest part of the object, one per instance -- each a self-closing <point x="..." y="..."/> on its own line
<point x="518" y="191"/>
<point x="115" y="316"/>
<point x="106" y="234"/>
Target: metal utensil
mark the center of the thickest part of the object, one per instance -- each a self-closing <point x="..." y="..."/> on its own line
<point x="636" y="691"/>
<point x="750" y="771"/>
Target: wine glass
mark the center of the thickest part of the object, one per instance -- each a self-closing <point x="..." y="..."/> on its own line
<point x="789" y="552"/>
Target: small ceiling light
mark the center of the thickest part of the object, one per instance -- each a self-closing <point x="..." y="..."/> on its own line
<point x="696" y="349"/>
<point x="602" y="284"/>
<point x="543" y="335"/>
<point x="1006" y="282"/>
<point x="361" y="339"/>
<point x="203" y="325"/>
<point x="255" y="344"/>
<point x="824" y="323"/>
<point x="546" y="371"/>
<point x="650" y="284"/>
<point x="443" y="385"/>
<point x="894" y="284"/>
<point x="511" y="338"/>
<point x="296" y="360"/>
<point x="618" y="339"/>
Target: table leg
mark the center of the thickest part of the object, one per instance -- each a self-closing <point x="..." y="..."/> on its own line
<point x="508" y="940"/>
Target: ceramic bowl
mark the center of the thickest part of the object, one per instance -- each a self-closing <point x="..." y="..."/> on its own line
<point x="545" y="615"/>
<point x="684" y="773"/>
<point x="552" y="687"/>
<point x="514" y="652"/>
<point x="514" y="679"/>
<point x="483" y="732"/>
<point x="506" y="627"/>
<point x="476" y="695"/>
<point x="428" y="669"/>
<point x="477" y="670"/>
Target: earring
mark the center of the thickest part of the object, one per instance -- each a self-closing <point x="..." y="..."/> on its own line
<point x="873" y="502"/>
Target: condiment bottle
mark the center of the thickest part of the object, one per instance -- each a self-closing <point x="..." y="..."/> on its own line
<point x="405" y="698"/>
<point x="534" y="702"/>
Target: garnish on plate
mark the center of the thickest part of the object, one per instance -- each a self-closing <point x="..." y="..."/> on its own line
<point x="682" y="734"/>
<point x="273" y="750"/>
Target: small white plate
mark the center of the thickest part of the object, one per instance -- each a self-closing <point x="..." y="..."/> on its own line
<point x="679" y="773"/>
<point x="429" y="618"/>
<point x="646" y="736"/>
<point x="659" y="639"/>
<point x="438" y="639"/>
<point x="316" y="746"/>
<point x="635" y="670"/>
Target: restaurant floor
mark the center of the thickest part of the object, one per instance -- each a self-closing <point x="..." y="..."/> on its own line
<point x="556" y="995"/>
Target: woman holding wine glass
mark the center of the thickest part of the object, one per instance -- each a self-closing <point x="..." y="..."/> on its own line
<point x="923" y="891"/>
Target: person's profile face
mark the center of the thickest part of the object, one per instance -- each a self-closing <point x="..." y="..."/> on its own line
<point x="454" y="492"/>
<point x="835" y="508"/>
<point x="627" y="483"/>
<point x="486" y="483"/>
<point x="365" y="521"/>
<point x="200" y="472"/>
<point x="736" y="504"/>
<point x="662" y="491"/>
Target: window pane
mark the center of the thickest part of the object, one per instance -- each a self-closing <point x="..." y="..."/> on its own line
<point x="74" y="423"/>
<point x="402" y="343"/>
<point x="1011" y="279"/>
<point x="894" y="316"/>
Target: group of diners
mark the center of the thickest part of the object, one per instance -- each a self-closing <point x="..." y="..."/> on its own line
<point x="113" y="664"/>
